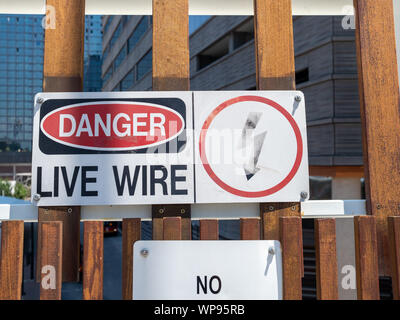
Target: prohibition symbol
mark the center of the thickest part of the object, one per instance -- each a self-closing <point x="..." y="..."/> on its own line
<point x="253" y="120"/>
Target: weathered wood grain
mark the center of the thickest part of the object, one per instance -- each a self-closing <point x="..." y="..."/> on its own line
<point x="366" y="245"/>
<point x="51" y="248"/>
<point x="12" y="256"/>
<point x="380" y="114"/>
<point x="394" y="241"/>
<point x="209" y="229"/>
<point x="63" y="72"/>
<point x="93" y="249"/>
<point x="250" y="229"/>
<point x="131" y="232"/>
<point x="326" y="259"/>
<point x="290" y="233"/>
<point x="172" y="228"/>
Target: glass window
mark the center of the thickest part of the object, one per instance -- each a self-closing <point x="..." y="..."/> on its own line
<point x="120" y="57"/>
<point x="137" y="33"/>
<point x="128" y="81"/>
<point x="144" y="65"/>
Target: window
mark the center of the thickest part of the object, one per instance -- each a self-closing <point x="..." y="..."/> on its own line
<point x="128" y="81"/>
<point x="144" y="65"/>
<point x="107" y="75"/>
<point x="116" y="35"/>
<point x="137" y="33"/>
<point x="120" y="57"/>
<point x="302" y="76"/>
<point x="213" y="53"/>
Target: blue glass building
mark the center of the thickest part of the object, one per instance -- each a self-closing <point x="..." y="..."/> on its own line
<point x="21" y="77"/>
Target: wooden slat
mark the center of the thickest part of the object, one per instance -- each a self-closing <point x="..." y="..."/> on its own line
<point x="11" y="264"/>
<point x="171" y="70"/>
<point x="326" y="259"/>
<point x="275" y="70"/>
<point x="51" y="260"/>
<point x="366" y="258"/>
<point x="93" y="260"/>
<point x="290" y="233"/>
<point x="63" y="71"/>
<point x="394" y="240"/>
<point x="380" y="114"/>
<point x="70" y="218"/>
<point x="270" y="214"/>
<point x="250" y="229"/>
<point x="273" y="29"/>
<point x="131" y="232"/>
<point x="209" y="230"/>
<point x="172" y="228"/>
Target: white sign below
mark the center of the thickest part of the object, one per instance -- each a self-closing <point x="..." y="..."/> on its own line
<point x="207" y="270"/>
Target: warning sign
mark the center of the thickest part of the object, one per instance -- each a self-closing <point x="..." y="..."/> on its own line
<point x="112" y="148"/>
<point x="169" y="147"/>
<point x="251" y="147"/>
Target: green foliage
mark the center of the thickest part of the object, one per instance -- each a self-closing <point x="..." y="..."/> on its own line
<point x="20" y="191"/>
<point x="5" y="188"/>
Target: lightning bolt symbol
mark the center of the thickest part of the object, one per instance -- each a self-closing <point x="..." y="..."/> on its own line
<point x="249" y="140"/>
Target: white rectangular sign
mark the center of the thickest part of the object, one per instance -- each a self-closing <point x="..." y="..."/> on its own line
<point x="250" y="146"/>
<point x="114" y="148"/>
<point x="207" y="270"/>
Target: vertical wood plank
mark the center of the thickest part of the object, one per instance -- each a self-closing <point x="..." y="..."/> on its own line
<point x="209" y="229"/>
<point x="273" y="29"/>
<point x="366" y="258"/>
<point x="131" y="232"/>
<point x="250" y="229"/>
<point x="63" y="71"/>
<point x="172" y="228"/>
<point x="51" y="260"/>
<point x="275" y="70"/>
<point x="380" y="114"/>
<point x="394" y="241"/>
<point x="171" y="72"/>
<point x="290" y="233"/>
<point x="326" y="259"/>
<point x="70" y="218"/>
<point x="11" y="264"/>
<point x="93" y="260"/>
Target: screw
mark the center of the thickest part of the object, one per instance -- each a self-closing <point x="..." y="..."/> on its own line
<point x="36" y="197"/>
<point x="69" y="210"/>
<point x="379" y="206"/>
<point x="297" y="98"/>
<point x="271" y="208"/>
<point x="293" y="208"/>
<point x="144" y="252"/>
<point x="271" y="251"/>
<point x="161" y="211"/>
<point x="183" y="211"/>
<point x="39" y="100"/>
<point x="304" y="194"/>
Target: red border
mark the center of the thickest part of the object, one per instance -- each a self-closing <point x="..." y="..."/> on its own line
<point x="251" y="194"/>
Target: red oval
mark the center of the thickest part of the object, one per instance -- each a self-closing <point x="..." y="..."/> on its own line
<point x="112" y="126"/>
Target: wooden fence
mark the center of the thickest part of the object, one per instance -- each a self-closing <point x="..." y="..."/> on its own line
<point x="377" y="236"/>
<point x="12" y="236"/>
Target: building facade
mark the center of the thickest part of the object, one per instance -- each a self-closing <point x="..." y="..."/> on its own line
<point x="222" y="57"/>
<point x="21" y="77"/>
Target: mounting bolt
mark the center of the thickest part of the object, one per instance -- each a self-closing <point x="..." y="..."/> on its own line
<point x="304" y="194"/>
<point x="144" y="252"/>
<point x="39" y="100"/>
<point x="36" y="197"/>
<point x="271" y="208"/>
<point x="161" y="211"/>
<point x="297" y="98"/>
<point x="271" y="251"/>
<point x="69" y="210"/>
<point x="379" y="206"/>
<point x="293" y="208"/>
<point x="183" y="211"/>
